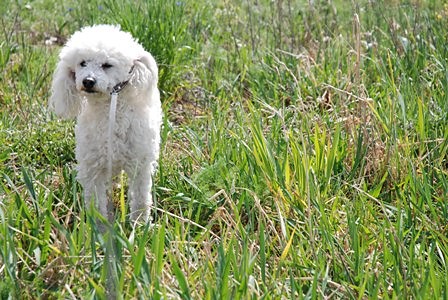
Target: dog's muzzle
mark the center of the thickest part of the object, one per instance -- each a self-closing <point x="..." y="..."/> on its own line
<point x="89" y="84"/>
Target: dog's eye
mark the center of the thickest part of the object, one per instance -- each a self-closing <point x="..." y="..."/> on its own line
<point x="106" y="66"/>
<point x="83" y="63"/>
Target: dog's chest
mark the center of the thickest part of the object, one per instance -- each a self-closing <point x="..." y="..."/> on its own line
<point x="129" y="133"/>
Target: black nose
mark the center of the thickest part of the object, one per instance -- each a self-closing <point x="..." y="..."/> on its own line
<point x="89" y="83"/>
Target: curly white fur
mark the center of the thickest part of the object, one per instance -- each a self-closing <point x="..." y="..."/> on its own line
<point x="92" y="63"/>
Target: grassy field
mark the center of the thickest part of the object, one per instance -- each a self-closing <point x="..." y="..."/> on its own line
<point x="304" y="154"/>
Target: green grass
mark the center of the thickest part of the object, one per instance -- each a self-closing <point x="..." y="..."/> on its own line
<point x="304" y="154"/>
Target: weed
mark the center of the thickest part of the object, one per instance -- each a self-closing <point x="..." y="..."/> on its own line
<point x="304" y="154"/>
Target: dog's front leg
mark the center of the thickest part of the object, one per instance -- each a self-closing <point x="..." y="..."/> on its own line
<point x="140" y="194"/>
<point x="95" y="194"/>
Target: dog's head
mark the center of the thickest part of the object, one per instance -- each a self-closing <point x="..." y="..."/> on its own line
<point x="94" y="62"/>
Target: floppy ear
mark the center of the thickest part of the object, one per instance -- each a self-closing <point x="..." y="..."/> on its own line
<point x="146" y="70"/>
<point x="64" y="99"/>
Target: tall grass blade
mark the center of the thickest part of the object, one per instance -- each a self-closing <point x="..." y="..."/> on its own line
<point x="262" y="252"/>
<point x="139" y="257"/>
<point x="181" y="279"/>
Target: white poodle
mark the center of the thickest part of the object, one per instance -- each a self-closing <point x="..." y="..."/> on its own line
<point x="95" y="62"/>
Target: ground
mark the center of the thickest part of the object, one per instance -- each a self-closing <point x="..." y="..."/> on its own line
<point x="304" y="154"/>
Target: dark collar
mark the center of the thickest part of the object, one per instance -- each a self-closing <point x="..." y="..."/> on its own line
<point x="121" y="85"/>
<point x="117" y="88"/>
